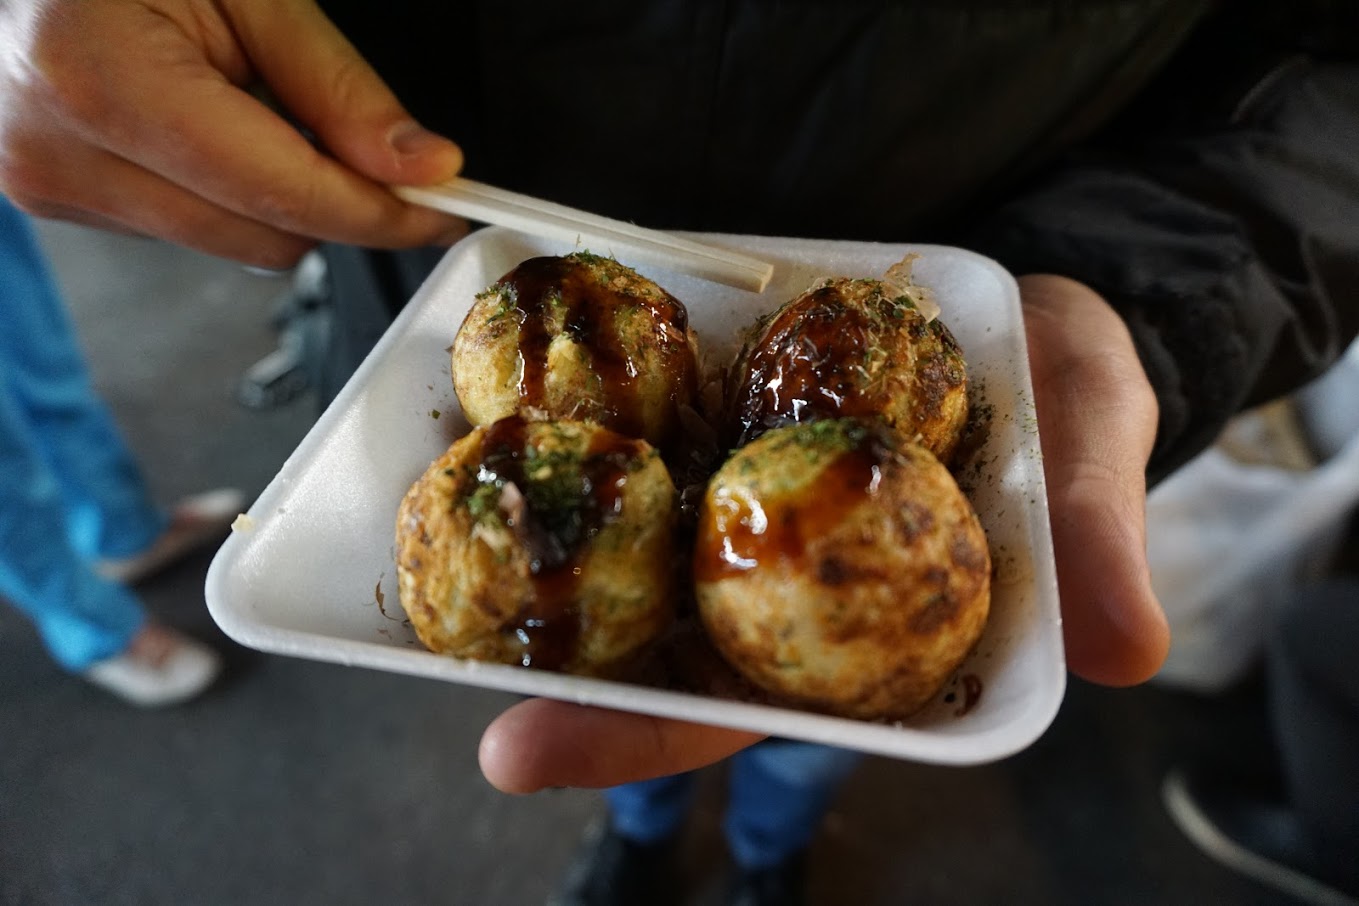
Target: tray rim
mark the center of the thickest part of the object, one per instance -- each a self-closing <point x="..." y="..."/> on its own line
<point x="889" y="739"/>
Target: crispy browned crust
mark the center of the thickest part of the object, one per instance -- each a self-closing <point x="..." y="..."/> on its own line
<point x="849" y="347"/>
<point x="583" y="338"/>
<point x="465" y="580"/>
<point x="864" y="614"/>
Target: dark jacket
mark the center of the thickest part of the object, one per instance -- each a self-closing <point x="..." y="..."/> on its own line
<point x="1197" y="165"/>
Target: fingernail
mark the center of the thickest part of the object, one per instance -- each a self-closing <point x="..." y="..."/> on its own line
<point x="409" y="138"/>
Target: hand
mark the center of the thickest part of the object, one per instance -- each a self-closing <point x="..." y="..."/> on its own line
<point x="1097" y="416"/>
<point x="1097" y="421"/>
<point x="137" y="115"/>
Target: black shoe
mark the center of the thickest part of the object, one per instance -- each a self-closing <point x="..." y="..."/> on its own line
<point x="1256" y="837"/>
<point x="614" y="871"/>
<point x="784" y="884"/>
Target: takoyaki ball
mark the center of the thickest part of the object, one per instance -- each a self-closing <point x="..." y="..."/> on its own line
<point x="852" y="347"/>
<point x="840" y="569"/>
<point x="578" y="337"/>
<point x="546" y="544"/>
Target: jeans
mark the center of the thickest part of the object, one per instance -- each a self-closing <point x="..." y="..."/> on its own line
<point x="778" y="792"/>
<point x="1314" y="703"/>
<point x="70" y="491"/>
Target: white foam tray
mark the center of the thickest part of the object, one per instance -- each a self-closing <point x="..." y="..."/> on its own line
<point x="315" y="577"/>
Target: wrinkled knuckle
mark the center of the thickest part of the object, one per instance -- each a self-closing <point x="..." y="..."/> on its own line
<point x="90" y="107"/>
<point x="1120" y="375"/>
<point x="199" y="225"/>
<point x="72" y="90"/>
<point x="1103" y="374"/>
<point x="1091" y="481"/>
<point x="351" y="84"/>
<point x="285" y="206"/>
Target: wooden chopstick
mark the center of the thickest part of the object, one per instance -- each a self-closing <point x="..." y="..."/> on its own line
<point x="478" y="201"/>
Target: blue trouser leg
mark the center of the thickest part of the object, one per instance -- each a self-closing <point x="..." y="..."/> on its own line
<point x="81" y="617"/>
<point x="780" y="791"/>
<point x="69" y="490"/>
<point x="651" y="810"/>
<point x="108" y="510"/>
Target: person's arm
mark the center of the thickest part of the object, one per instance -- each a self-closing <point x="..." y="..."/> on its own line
<point x="1229" y="246"/>
<point x="141" y="117"/>
<point x="1229" y="250"/>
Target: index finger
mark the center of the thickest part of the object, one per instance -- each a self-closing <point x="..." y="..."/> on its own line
<point x="219" y="142"/>
<point x="170" y="109"/>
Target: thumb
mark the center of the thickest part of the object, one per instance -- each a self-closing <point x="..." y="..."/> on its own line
<point x="328" y="86"/>
<point x="1097" y="421"/>
<point x="542" y="743"/>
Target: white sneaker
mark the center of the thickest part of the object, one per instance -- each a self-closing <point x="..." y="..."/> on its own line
<point x="195" y="521"/>
<point x="161" y="667"/>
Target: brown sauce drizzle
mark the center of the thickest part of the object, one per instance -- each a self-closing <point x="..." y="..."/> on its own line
<point x="761" y="535"/>
<point x="806" y="367"/>
<point x="556" y="536"/>
<point x="539" y="287"/>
